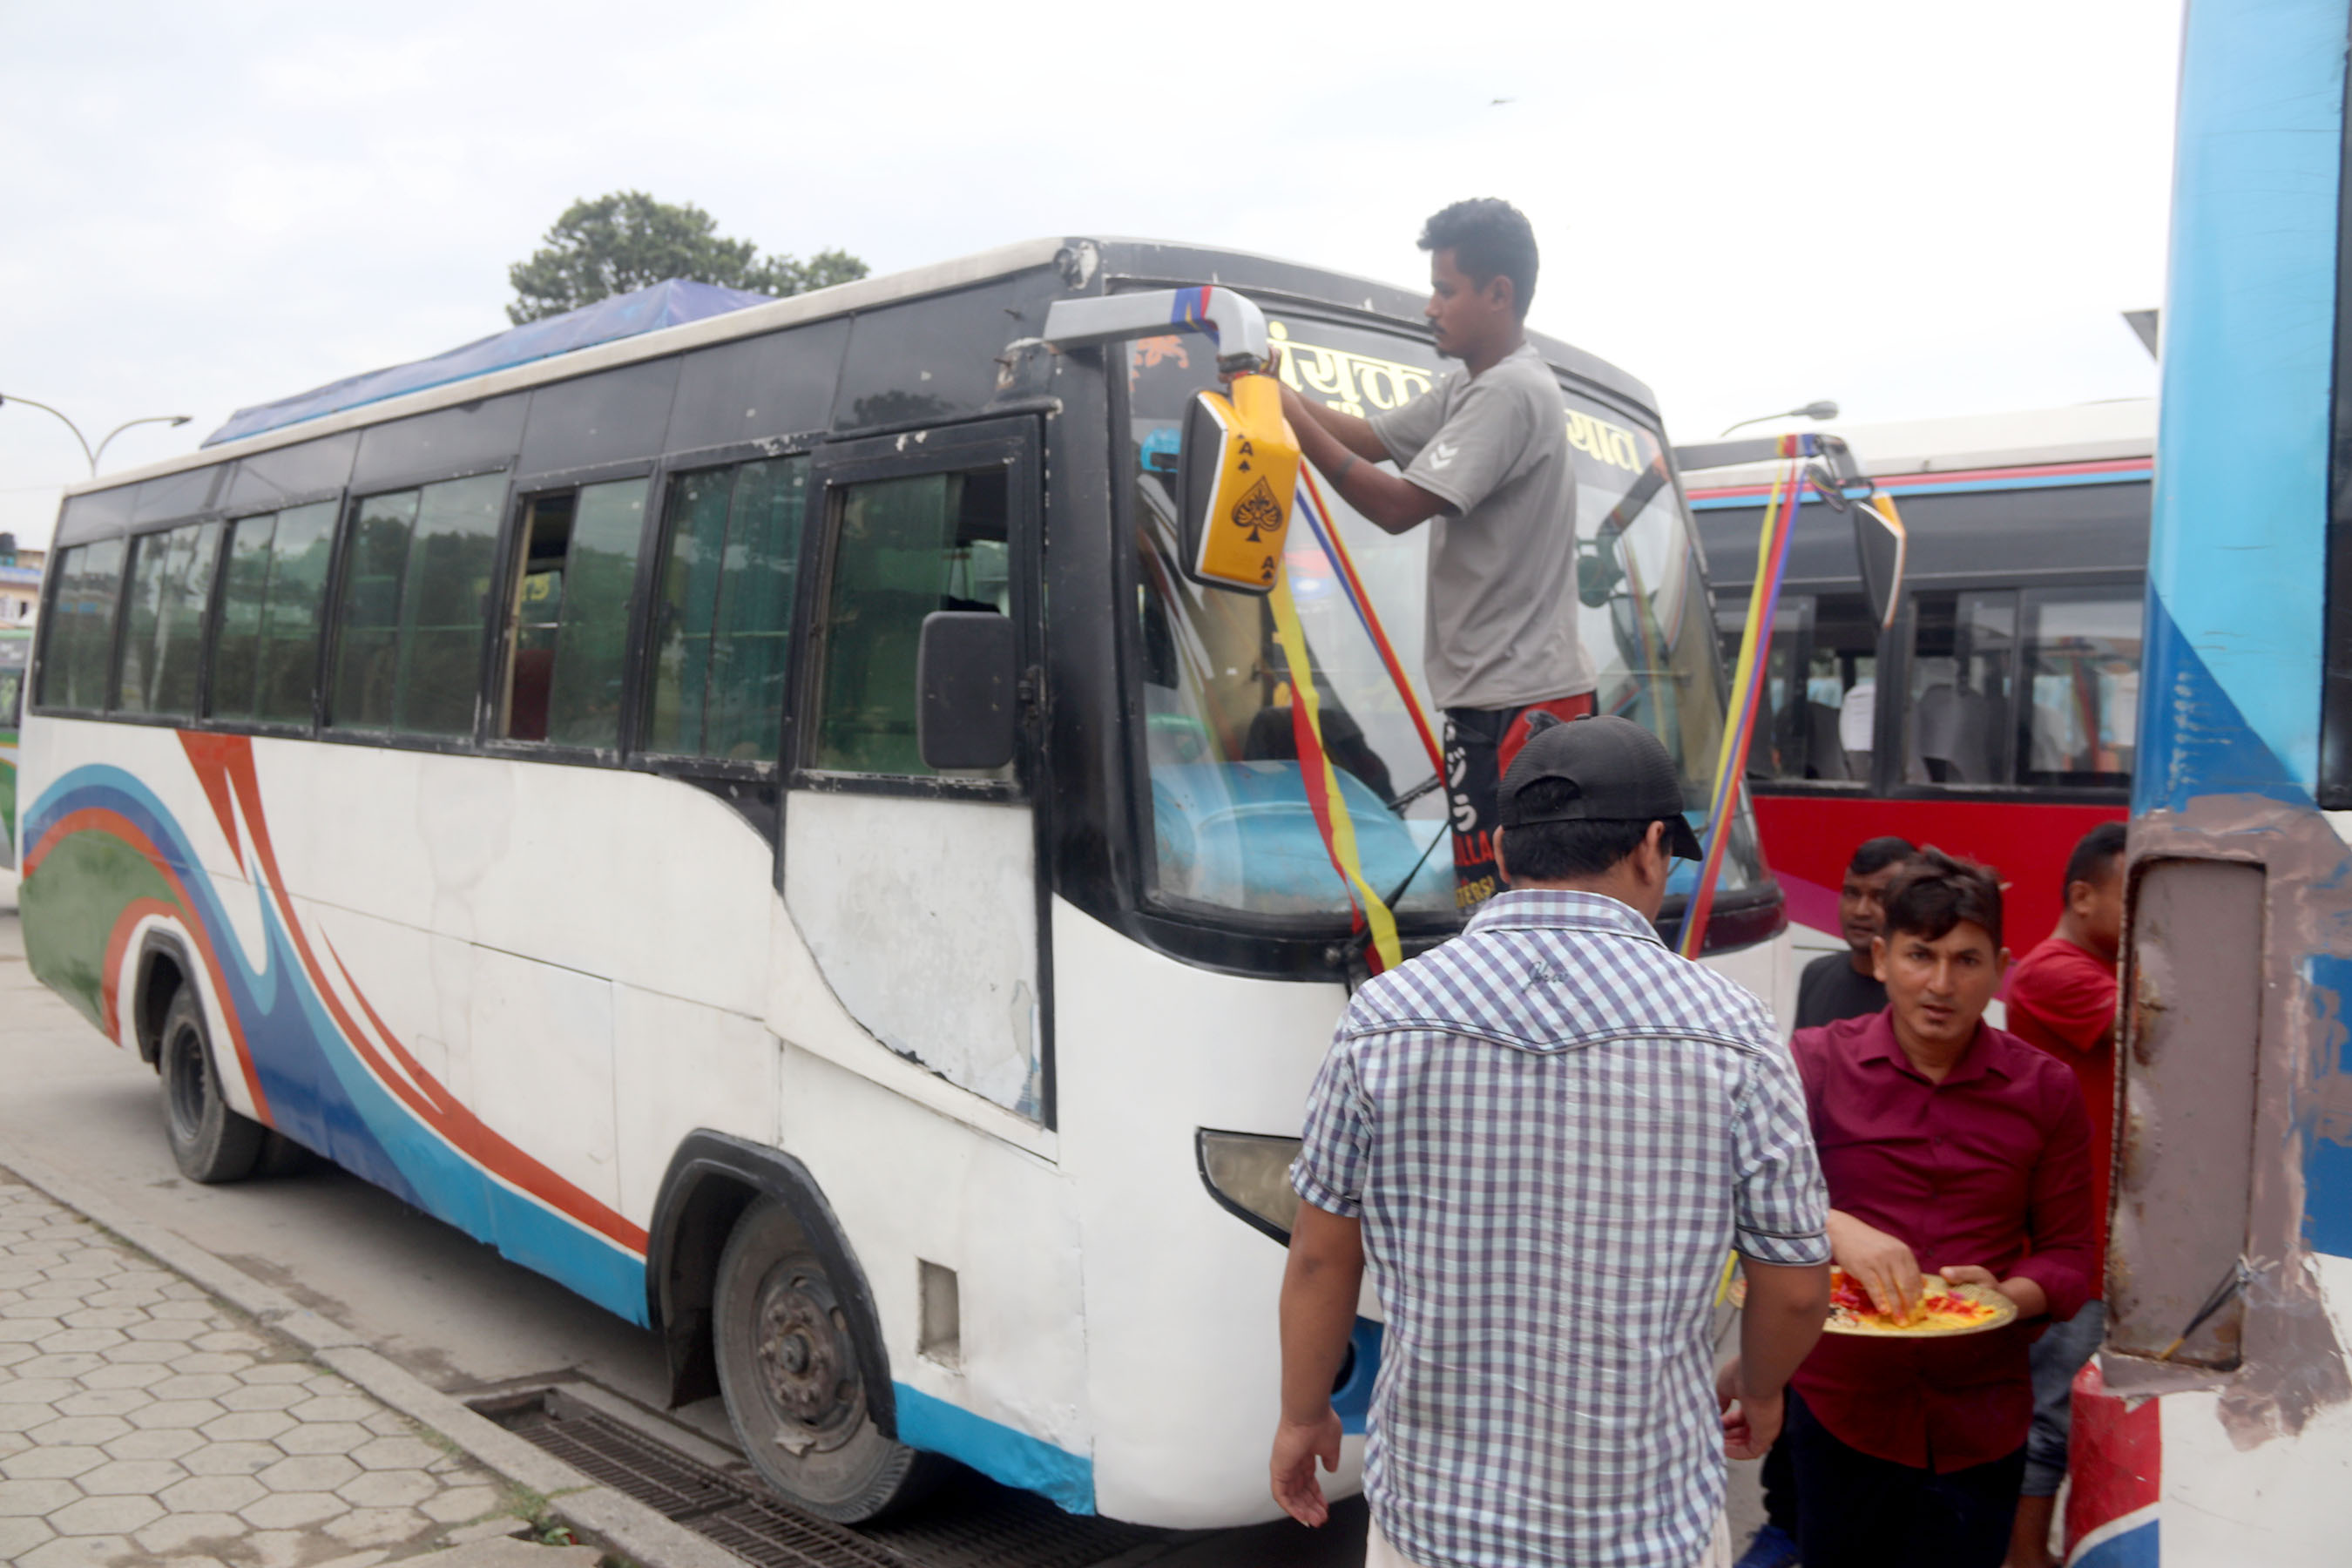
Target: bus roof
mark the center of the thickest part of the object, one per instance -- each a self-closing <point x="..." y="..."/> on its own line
<point x="2085" y="432"/>
<point x="1086" y="266"/>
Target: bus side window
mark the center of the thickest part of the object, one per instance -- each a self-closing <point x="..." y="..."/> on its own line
<point x="265" y="651"/>
<point x="1821" y="684"/>
<point x="78" y="633"/>
<point x="722" y="614"/>
<point x="2080" y="686"/>
<point x="416" y="583"/>
<point x="1963" y="670"/>
<point x="170" y="580"/>
<point x="567" y="625"/>
<point x="906" y="547"/>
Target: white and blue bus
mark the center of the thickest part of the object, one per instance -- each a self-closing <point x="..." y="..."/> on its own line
<point x="516" y="791"/>
<point x="2215" y="1427"/>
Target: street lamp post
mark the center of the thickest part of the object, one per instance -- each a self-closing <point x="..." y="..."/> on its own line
<point x="1823" y="408"/>
<point x="93" y="455"/>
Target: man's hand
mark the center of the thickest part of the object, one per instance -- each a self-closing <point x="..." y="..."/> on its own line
<point x="1881" y="1264"/>
<point x="2031" y="1301"/>
<point x="1320" y="1286"/>
<point x="1297" y="1446"/>
<point x="1750" y="1421"/>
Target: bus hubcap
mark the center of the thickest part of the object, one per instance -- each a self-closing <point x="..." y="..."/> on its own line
<point x="804" y="1360"/>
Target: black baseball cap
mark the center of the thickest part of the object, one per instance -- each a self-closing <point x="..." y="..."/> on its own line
<point x="1621" y="773"/>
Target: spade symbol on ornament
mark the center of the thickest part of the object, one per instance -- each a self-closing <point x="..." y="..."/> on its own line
<point x="1257" y="511"/>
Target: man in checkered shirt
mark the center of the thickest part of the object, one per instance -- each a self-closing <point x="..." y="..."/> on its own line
<point x="1545" y="1136"/>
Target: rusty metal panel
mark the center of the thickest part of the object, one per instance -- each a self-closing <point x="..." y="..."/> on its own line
<point x="2184" y="1154"/>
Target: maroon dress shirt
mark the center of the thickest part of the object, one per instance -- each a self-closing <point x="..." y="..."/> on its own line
<point x="1992" y="1166"/>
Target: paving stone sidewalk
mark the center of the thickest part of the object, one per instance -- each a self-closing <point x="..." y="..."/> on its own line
<point x="144" y="1423"/>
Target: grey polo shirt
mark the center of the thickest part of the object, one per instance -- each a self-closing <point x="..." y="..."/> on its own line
<point x="1502" y="556"/>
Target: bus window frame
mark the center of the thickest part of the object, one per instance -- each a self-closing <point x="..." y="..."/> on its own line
<point x="507" y="579"/>
<point x="1895" y="664"/>
<point x="1323" y="947"/>
<point x="331" y="620"/>
<point x="693" y="767"/>
<point x="217" y="606"/>
<point x="1018" y="442"/>
<point x="53" y="578"/>
<point x="1890" y="716"/>
<point x="132" y="539"/>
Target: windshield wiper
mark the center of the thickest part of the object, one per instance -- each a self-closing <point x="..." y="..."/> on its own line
<point x="1414" y="794"/>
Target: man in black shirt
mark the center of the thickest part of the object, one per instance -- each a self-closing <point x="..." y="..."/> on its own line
<point x="1844" y="985"/>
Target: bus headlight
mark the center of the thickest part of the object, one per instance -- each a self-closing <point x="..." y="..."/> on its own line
<point x="1249" y="1174"/>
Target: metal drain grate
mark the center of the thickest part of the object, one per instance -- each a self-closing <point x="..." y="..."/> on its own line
<point x="710" y="1502"/>
<point x="969" y="1522"/>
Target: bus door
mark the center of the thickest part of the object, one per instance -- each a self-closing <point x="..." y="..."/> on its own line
<point x="915" y="886"/>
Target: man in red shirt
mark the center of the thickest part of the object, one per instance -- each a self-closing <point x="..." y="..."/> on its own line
<point x="2061" y="997"/>
<point x="1947" y="1143"/>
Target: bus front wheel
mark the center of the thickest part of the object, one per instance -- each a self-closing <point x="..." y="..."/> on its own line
<point x="790" y="1369"/>
<point x="211" y="1142"/>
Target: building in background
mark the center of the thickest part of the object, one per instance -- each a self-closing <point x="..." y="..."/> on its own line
<point x="20" y="581"/>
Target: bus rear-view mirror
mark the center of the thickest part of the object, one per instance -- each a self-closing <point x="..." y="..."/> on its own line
<point x="1236" y="477"/>
<point x="967" y="673"/>
<point x="1879" y="547"/>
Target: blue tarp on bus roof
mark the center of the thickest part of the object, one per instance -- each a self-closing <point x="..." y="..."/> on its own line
<point x="671" y="303"/>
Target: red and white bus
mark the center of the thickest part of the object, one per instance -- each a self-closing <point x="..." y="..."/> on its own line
<point x="1996" y="717"/>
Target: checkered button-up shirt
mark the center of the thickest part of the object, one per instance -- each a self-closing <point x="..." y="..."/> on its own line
<point x="1553" y="1130"/>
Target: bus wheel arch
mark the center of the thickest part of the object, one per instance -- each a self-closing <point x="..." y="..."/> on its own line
<point x="730" y="1210"/>
<point x="162" y="967"/>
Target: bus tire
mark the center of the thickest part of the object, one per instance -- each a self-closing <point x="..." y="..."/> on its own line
<point x="788" y="1367"/>
<point x="211" y="1142"/>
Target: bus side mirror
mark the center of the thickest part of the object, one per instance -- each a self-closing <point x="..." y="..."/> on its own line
<point x="966" y="679"/>
<point x="1879" y="547"/>
<point x="1236" y="477"/>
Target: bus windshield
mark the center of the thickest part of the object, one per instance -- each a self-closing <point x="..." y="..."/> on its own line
<point x="1232" y="830"/>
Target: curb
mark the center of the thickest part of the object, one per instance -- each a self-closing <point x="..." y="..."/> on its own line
<point x="627" y="1525"/>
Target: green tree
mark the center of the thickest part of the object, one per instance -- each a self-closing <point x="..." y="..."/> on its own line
<point x="628" y="240"/>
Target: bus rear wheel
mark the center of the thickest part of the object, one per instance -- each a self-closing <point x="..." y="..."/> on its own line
<point x="211" y="1142"/>
<point x="790" y="1369"/>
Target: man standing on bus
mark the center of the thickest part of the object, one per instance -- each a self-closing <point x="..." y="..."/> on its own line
<point x="2061" y="997"/>
<point x="1484" y="454"/>
<point x="1953" y="1145"/>
<point x="1545" y="1135"/>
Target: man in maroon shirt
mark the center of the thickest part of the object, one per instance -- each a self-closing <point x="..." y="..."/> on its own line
<point x="1954" y="1145"/>
<point x="2061" y="997"/>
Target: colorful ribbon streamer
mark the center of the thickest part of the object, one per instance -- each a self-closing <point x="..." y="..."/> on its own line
<point x="1323" y="797"/>
<point x="1319" y="519"/>
<point x="1748" y="683"/>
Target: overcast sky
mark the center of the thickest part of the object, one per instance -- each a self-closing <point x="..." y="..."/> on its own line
<point x="1914" y="209"/>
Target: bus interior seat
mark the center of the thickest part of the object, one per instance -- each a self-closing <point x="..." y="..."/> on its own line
<point x="1272" y="738"/>
<point x="1955" y="731"/>
<point x="1242" y="833"/>
<point x="534" y="676"/>
<point x="1825" y="757"/>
